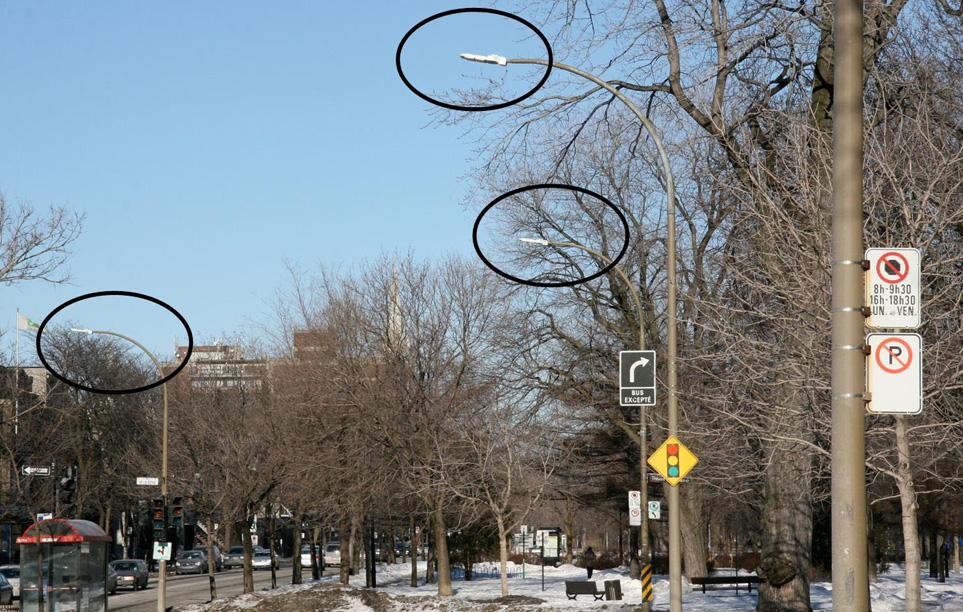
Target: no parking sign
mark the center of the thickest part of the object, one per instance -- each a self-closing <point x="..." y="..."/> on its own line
<point x="895" y="373"/>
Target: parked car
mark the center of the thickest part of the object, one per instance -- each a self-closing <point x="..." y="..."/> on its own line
<point x="332" y="553"/>
<point x="262" y="560"/>
<point x="191" y="562"/>
<point x="131" y="573"/>
<point x="111" y="581"/>
<point x="306" y="557"/>
<point x="12" y="574"/>
<point x="6" y="590"/>
<point x="218" y="557"/>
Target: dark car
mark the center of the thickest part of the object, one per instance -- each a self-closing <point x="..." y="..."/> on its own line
<point x="191" y="562"/>
<point x="131" y="573"/>
<point x="111" y="581"/>
<point x="6" y="590"/>
<point x="218" y="558"/>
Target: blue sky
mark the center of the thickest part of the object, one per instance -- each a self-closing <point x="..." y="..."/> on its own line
<point x="209" y="142"/>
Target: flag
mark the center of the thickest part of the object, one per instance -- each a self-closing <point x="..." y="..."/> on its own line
<point x="26" y="324"/>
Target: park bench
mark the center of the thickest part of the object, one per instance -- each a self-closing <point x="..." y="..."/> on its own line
<point x="575" y="588"/>
<point x="736" y="580"/>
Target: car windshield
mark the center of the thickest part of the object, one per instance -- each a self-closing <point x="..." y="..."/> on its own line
<point x="10" y="572"/>
<point x="236" y="550"/>
<point x="262" y="554"/>
<point x="334" y="547"/>
<point x="191" y="555"/>
<point x="124" y="566"/>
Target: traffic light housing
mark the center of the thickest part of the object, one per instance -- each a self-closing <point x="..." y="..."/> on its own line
<point x="160" y="531"/>
<point x="177" y="511"/>
<point x="67" y="492"/>
<point x="672" y="450"/>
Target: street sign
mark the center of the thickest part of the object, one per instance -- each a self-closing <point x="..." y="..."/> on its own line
<point x="150" y="481"/>
<point x="655" y="510"/>
<point x="635" y="517"/>
<point x="673" y="460"/>
<point x="894" y="373"/>
<point x="44" y="516"/>
<point x="893" y="288"/>
<point x="162" y="551"/>
<point x="43" y="470"/>
<point x="656" y="478"/>
<point x="635" y="499"/>
<point x="637" y="378"/>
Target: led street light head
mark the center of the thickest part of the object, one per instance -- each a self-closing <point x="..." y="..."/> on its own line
<point x="485" y="59"/>
<point x="81" y="331"/>
<point x="540" y="241"/>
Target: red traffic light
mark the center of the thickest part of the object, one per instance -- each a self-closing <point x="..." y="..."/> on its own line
<point x="672" y="449"/>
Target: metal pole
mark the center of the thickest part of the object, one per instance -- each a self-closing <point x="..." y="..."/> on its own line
<point x="849" y="546"/>
<point x="162" y="571"/>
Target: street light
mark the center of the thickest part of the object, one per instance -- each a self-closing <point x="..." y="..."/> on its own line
<point x="162" y="590"/>
<point x="675" y="534"/>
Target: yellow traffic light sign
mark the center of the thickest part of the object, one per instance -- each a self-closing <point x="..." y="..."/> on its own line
<point x="673" y="460"/>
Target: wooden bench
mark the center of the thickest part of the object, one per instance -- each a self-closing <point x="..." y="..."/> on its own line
<point x="736" y="580"/>
<point x="575" y="588"/>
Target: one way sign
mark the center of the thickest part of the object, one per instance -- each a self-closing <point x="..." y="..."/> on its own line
<point x="637" y="378"/>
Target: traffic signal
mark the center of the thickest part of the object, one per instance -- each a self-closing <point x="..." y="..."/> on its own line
<point x="67" y="494"/>
<point x="177" y="511"/>
<point x="673" y="460"/>
<point x="160" y="532"/>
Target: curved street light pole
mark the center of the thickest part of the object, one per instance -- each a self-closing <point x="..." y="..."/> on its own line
<point x="675" y="532"/>
<point x="162" y="570"/>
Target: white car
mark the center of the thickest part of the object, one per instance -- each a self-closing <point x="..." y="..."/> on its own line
<point x="306" y="557"/>
<point x="332" y="553"/>
<point x="12" y="574"/>
<point x="262" y="560"/>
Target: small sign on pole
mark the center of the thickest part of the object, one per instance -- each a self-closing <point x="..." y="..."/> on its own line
<point x="44" y="516"/>
<point x="42" y="470"/>
<point x="150" y="481"/>
<point x="673" y="460"/>
<point x="655" y="510"/>
<point x="893" y="288"/>
<point x="894" y="373"/>
<point x="635" y="517"/>
<point x="635" y="499"/>
<point x="637" y="378"/>
<point x="162" y="551"/>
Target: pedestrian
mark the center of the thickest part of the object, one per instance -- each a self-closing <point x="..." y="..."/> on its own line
<point x="588" y="557"/>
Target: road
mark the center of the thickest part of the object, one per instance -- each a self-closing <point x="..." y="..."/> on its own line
<point x="193" y="588"/>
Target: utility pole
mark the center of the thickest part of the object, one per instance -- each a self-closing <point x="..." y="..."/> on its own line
<point x="849" y="544"/>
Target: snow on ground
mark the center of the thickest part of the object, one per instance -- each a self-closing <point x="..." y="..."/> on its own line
<point x="394" y="594"/>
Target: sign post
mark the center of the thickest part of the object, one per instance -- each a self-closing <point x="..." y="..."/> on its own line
<point x="894" y="373"/>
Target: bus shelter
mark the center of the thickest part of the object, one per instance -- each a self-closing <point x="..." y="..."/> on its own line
<point x="69" y="560"/>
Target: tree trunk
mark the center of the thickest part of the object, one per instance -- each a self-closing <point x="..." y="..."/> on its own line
<point x="907" y="497"/>
<point x="940" y="558"/>
<point x="693" y="531"/>
<point x="211" y="567"/>
<point x="934" y="557"/>
<point x="415" y="547"/>
<point x="296" y="572"/>
<point x="430" y="556"/>
<point x="871" y="544"/>
<point x="956" y="553"/>
<point x="356" y="543"/>
<point x="274" y="573"/>
<point x="787" y="525"/>
<point x="503" y="554"/>
<point x="569" y="531"/>
<point x="345" y="569"/>
<point x="248" y="568"/>
<point x="228" y="533"/>
<point x="441" y="551"/>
